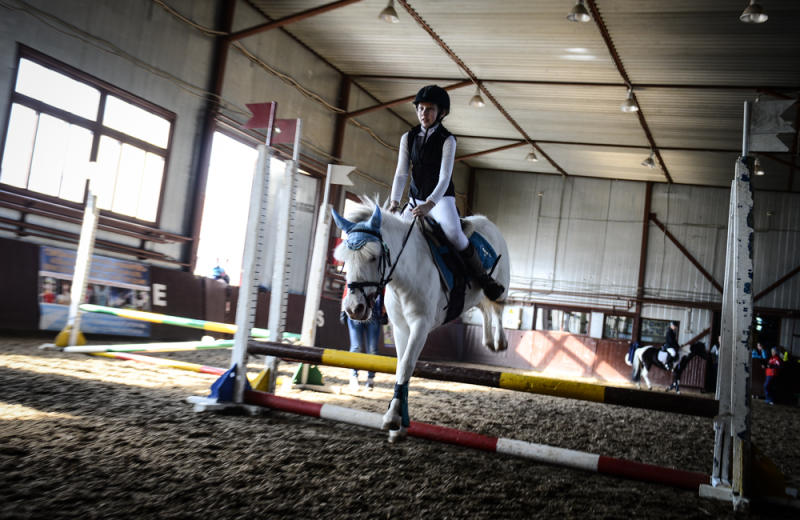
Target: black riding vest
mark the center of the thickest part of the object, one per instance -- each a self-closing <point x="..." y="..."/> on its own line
<point x="426" y="162"/>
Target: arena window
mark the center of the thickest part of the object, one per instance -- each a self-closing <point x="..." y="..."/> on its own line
<point x="61" y="119"/>
<point x="573" y="321"/>
<point x="654" y="331"/>
<point x="618" y="327"/>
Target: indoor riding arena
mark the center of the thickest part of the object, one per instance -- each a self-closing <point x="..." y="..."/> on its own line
<point x="233" y="280"/>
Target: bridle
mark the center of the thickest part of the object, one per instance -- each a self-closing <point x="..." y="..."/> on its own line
<point x="384" y="263"/>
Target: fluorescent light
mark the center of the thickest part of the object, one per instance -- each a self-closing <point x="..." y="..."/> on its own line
<point x="578" y="57"/>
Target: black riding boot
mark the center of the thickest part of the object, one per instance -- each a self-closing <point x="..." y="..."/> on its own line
<point x="472" y="261"/>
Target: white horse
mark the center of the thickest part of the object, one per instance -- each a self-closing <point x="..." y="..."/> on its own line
<point x="382" y="249"/>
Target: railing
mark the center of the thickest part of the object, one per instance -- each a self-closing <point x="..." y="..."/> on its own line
<point x="28" y="205"/>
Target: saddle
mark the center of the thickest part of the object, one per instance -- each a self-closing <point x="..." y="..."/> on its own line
<point x="667" y="356"/>
<point x="453" y="275"/>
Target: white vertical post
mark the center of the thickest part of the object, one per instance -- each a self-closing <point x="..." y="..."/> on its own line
<point x="732" y="425"/>
<point x="252" y="263"/>
<point x="722" y="450"/>
<point x="83" y="262"/>
<point x="316" y="274"/>
<point x="283" y="251"/>
<point x="742" y="323"/>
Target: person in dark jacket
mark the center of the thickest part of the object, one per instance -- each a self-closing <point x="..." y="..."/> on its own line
<point x="671" y="345"/>
<point x="427" y="152"/>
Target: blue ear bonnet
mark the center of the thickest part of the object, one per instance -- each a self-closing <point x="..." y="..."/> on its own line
<point x="359" y="233"/>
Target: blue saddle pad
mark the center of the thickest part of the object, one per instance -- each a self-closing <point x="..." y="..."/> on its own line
<point x="485" y="250"/>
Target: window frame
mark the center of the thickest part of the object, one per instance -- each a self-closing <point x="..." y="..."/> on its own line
<point x="654" y="341"/>
<point x="566" y="309"/>
<point x="95" y="126"/>
<point x="625" y="316"/>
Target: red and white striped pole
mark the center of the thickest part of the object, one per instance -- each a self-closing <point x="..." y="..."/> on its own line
<point x="523" y="449"/>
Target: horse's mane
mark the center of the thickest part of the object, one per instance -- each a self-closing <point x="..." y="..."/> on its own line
<point x="361" y="212"/>
<point x="366" y="207"/>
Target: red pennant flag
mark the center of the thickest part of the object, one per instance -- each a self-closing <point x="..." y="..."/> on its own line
<point x="283" y="131"/>
<point x="262" y="114"/>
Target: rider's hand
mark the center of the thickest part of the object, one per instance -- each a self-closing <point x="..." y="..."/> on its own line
<point x="423" y="209"/>
<point x="394" y="206"/>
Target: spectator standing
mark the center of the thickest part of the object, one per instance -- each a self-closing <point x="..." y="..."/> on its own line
<point x="773" y="367"/>
<point x="364" y="334"/>
<point x="760" y="354"/>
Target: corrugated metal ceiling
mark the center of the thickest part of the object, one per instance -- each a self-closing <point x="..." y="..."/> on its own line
<point x="692" y="64"/>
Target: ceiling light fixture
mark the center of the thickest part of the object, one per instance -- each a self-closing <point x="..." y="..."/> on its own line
<point x="579" y="13"/>
<point x="532" y="157"/>
<point x="649" y="162"/>
<point x="477" y="101"/>
<point x="757" y="168"/>
<point x="389" y="14"/>
<point x="753" y="13"/>
<point x="629" y="105"/>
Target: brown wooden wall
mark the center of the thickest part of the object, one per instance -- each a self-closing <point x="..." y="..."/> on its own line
<point x="19" y="285"/>
<point x="569" y="355"/>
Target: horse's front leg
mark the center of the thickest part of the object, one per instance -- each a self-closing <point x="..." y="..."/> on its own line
<point x="396" y="418"/>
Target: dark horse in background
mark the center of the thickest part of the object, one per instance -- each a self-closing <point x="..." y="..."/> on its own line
<point x="643" y="358"/>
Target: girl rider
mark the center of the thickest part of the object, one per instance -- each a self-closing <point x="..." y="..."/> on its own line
<point x="428" y="152"/>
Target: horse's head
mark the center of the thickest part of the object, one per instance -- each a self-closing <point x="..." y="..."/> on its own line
<point x="365" y="261"/>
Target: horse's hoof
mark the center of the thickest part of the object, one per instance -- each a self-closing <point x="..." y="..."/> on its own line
<point x="391" y="419"/>
<point x="397" y="434"/>
<point x="390" y="423"/>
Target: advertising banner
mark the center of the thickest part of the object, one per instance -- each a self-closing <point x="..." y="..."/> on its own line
<point x="112" y="282"/>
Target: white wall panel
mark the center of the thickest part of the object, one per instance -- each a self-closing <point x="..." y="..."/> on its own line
<point x="776" y="248"/>
<point x="583" y="236"/>
<point x="790" y="335"/>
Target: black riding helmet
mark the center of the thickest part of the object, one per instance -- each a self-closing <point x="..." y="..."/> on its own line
<point x="436" y="95"/>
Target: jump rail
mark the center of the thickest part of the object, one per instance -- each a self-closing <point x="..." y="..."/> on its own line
<point x="212" y="326"/>
<point x="538" y="452"/>
<point x="175" y="346"/>
<point x="166" y="363"/>
<point x="665" y="402"/>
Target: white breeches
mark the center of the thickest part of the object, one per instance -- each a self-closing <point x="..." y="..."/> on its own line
<point x="446" y="214"/>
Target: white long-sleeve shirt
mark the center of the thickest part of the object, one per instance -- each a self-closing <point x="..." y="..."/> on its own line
<point x="403" y="170"/>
